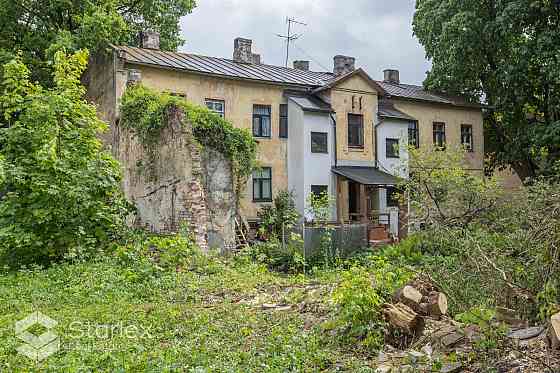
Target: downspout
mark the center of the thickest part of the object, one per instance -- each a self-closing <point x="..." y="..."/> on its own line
<point x="335" y="146"/>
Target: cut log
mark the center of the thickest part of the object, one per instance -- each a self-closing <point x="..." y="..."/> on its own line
<point x="403" y="318"/>
<point x="437" y="304"/>
<point x="409" y="296"/>
<point x="554" y="331"/>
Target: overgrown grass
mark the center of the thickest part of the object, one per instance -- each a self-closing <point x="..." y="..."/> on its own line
<point x="205" y="317"/>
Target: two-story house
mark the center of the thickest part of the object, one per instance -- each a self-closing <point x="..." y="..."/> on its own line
<point x="341" y="132"/>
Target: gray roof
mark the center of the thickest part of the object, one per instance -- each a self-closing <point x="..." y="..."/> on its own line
<point x="388" y="110"/>
<point x="366" y="175"/>
<point x="223" y="67"/>
<point x="311" y="103"/>
<point x="415" y="92"/>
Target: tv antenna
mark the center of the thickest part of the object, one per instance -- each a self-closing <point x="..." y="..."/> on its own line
<point x="289" y="37"/>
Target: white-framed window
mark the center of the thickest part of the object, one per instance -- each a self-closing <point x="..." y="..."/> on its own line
<point x="217" y="106"/>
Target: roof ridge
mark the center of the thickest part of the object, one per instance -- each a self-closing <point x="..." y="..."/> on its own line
<point x="228" y="60"/>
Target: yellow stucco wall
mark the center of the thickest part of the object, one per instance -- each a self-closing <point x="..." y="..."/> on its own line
<point x="239" y="97"/>
<point x="453" y="117"/>
<point x="345" y="99"/>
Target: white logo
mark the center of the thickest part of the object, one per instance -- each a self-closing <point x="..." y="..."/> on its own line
<point x="35" y="347"/>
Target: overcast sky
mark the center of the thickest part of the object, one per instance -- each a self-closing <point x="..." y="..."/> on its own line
<point x="378" y="33"/>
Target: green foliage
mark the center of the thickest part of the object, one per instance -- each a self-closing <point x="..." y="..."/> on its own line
<point x="278" y="219"/>
<point x="40" y="28"/>
<point x="320" y="207"/>
<point x="505" y="52"/>
<point x="359" y="307"/>
<point x="143" y="109"/>
<point x="408" y="251"/>
<point x="443" y="192"/>
<point x="359" y="297"/>
<point x="280" y="257"/>
<point x="60" y="191"/>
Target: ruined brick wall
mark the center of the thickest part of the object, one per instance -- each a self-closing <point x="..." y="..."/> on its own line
<point x="177" y="182"/>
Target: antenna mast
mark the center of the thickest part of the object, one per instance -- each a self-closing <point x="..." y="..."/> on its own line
<point x="289" y="37"/>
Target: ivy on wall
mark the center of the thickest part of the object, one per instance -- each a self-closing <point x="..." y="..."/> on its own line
<point x="143" y="111"/>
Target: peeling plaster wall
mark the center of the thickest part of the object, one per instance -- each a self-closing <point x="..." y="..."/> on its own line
<point x="185" y="184"/>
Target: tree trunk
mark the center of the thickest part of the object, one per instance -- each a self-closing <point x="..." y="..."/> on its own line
<point x="402" y="317"/>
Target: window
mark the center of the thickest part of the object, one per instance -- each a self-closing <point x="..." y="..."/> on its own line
<point x="318" y="190"/>
<point x="319" y="142"/>
<point x="355" y="131"/>
<point x="392" y="148"/>
<point x="283" y="121"/>
<point x="261" y="120"/>
<point x="217" y="106"/>
<point x="467" y="137"/>
<point x="392" y="197"/>
<point x="439" y="135"/>
<point x="413" y="134"/>
<point x="262" y="185"/>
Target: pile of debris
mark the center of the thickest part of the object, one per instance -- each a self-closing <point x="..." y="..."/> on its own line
<point x="421" y="337"/>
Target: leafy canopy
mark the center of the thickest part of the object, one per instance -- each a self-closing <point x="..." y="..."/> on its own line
<point x="60" y="193"/>
<point x="40" y="27"/>
<point x="506" y="54"/>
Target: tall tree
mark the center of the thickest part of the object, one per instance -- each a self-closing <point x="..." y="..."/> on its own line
<point x="40" y="27"/>
<point x="507" y="54"/>
<point x="60" y="192"/>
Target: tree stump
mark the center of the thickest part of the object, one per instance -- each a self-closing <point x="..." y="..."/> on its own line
<point x="403" y="318"/>
<point x="437" y="304"/>
<point x="409" y="296"/>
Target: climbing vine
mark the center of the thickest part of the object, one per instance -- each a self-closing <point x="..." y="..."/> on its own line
<point x="143" y="111"/>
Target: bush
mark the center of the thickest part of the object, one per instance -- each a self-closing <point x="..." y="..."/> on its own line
<point x="360" y="295"/>
<point x="277" y="220"/>
<point x="60" y="192"/>
<point x="278" y="257"/>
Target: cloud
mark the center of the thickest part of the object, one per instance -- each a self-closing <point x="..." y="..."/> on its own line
<point x="377" y="32"/>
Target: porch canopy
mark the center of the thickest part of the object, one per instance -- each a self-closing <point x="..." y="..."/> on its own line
<point x="366" y="175"/>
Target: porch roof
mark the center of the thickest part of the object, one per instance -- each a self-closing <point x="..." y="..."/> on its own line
<point x="366" y="175"/>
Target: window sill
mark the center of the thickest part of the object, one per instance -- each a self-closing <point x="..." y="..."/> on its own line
<point x="262" y="201"/>
<point x="356" y="148"/>
<point x="392" y="157"/>
<point x="312" y="152"/>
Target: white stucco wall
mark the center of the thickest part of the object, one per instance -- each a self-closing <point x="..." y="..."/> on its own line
<point x="304" y="167"/>
<point x="392" y="129"/>
<point x="318" y="165"/>
<point x="296" y="165"/>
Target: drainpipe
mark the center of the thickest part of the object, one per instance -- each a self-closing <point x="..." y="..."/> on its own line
<point x="335" y="147"/>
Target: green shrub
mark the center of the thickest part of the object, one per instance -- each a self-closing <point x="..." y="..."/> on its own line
<point x="162" y="253"/>
<point x="60" y="192"/>
<point x="280" y="218"/>
<point x="360" y="295"/>
<point x="278" y="257"/>
<point x="408" y="251"/>
<point x="359" y="307"/>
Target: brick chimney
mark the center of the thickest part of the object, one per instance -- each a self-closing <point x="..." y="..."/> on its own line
<point x="242" y="50"/>
<point x="301" y="65"/>
<point x="149" y="40"/>
<point x="344" y="65"/>
<point x="391" y="76"/>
